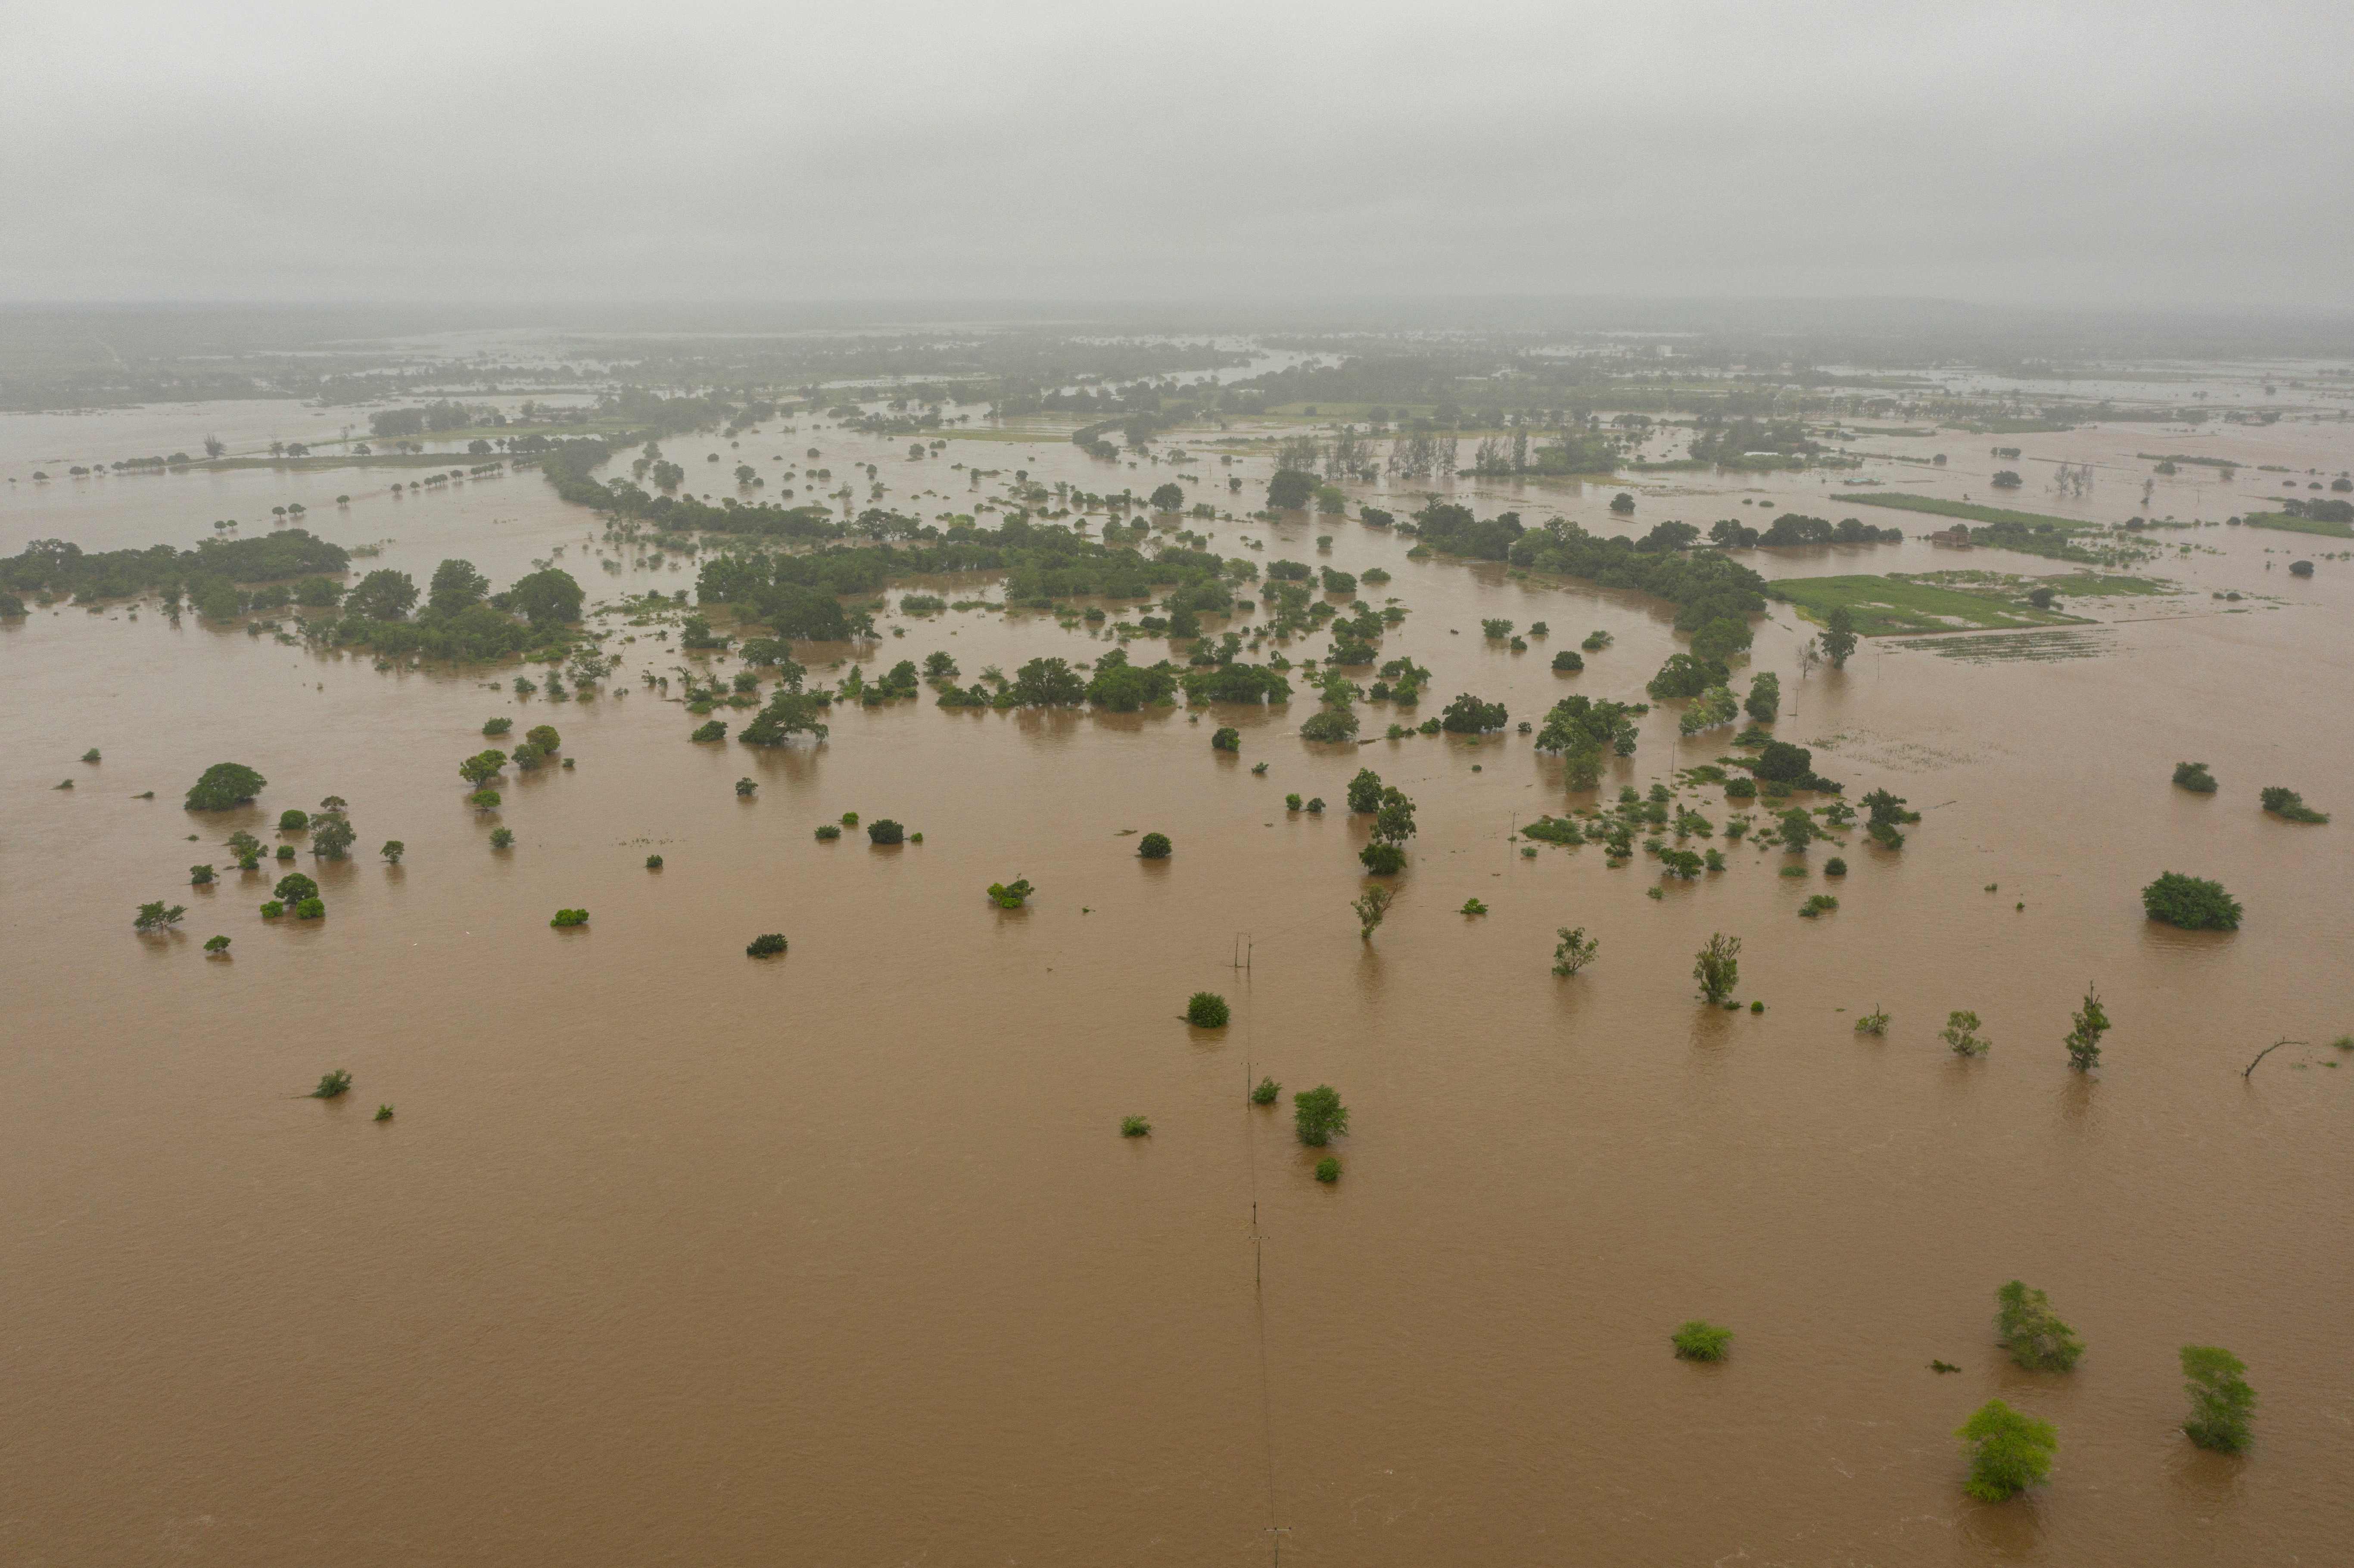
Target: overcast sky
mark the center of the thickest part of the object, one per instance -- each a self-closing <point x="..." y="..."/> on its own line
<point x="2150" y="154"/>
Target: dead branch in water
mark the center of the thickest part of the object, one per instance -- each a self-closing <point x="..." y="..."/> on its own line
<point x="2266" y="1052"/>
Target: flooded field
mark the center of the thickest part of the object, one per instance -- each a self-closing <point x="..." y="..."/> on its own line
<point x="670" y="1254"/>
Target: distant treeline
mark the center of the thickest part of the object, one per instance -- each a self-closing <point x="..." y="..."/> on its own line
<point x="59" y="569"/>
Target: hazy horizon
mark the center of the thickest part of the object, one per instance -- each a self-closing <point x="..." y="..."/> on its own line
<point x="2102" y="157"/>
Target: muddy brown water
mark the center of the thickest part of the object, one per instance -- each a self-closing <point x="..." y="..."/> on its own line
<point x="672" y="1256"/>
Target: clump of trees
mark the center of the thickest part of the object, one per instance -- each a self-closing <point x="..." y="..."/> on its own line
<point x="2009" y="1452"/>
<point x="1466" y="715"/>
<point x="2290" y="807"/>
<point x="1583" y="730"/>
<point x="332" y="837"/>
<point x="1206" y="1010"/>
<point x="2033" y="1333"/>
<point x="1887" y="812"/>
<point x="1010" y="894"/>
<point x="2194" y="777"/>
<point x="223" y="786"/>
<point x="2191" y="903"/>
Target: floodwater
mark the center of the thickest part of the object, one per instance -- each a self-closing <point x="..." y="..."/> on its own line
<point x="670" y="1256"/>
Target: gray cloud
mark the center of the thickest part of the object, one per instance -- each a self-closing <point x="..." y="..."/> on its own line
<point x="2151" y="153"/>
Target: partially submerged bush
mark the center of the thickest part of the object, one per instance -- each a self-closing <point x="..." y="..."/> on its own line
<point x="293" y="819"/>
<point x="2191" y="903"/>
<point x="884" y="831"/>
<point x="1702" y="1340"/>
<point x="497" y="727"/>
<point x="1567" y="662"/>
<point x="714" y="730"/>
<point x="1155" y="846"/>
<point x="1328" y="1169"/>
<point x="2290" y="807"/>
<point x="765" y="945"/>
<point x="2033" y="1333"/>
<point x="1226" y="739"/>
<point x="217" y="945"/>
<point x="1381" y="859"/>
<point x="1266" y="1092"/>
<point x="393" y="850"/>
<point x="1820" y="905"/>
<point x="1872" y="1023"/>
<point x="310" y="909"/>
<point x="198" y="875"/>
<point x="2009" y="1452"/>
<point x="1717" y="967"/>
<point x="332" y="1085"/>
<point x="1135" y="1126"/>
<point x="2194" y="777"/>
<point x="570" y="917"/>
<point x="1318" y="1116"/>
<point x="828" y="832"/>
<point x="502" y="838"/>
<point x="1010" y="894"/>
<point x="1961" y="1034"/>
<point x="654" y="863"/>
<point x="2221" y="1403"/>
<point x="223" y="784"/>
<point x="1207" y="1010"/>
<point x="157" y="916"/>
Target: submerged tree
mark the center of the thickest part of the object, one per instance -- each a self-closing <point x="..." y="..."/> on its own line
<point x="1574" y="951"/>
<point x="2192" y="903"/>
<point x="2033" y="1333"/>
<point x="1318" y="1115"/>
<point x="2083" y="1041"/>
<point x="158" y="917"/>
<point x="1372" y="908"/>
<point x="2009" y="1452"/>
<point x="1839" y="637"/>
<point x="1717" y="967"/>
<point x="223" y="784"/>
<point x="2223" y="1406"/>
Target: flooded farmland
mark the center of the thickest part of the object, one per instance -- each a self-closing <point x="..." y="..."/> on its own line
<point x="669" y="1253"/>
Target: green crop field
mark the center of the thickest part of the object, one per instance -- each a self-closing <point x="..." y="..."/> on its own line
<point x="1884" y="606"/>
<point x="2287" y="524"/>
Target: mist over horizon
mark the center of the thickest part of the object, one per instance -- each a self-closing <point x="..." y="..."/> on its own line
<point x="2103" y="157"/>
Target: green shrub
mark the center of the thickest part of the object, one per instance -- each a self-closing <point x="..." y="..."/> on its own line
<point x="2191" y="903"/>
<point x="2194" y="777"/>
<point x="2289" y="806"/>
<point x="1010" y="894"/>
<point x="1717" y="967"/>
<point x="216" y="945"/>
<point x="484" y="800"/>
<point x="1381" y="859"/>
<point x="157" y="916"/>
<point x="2009" y="1452"/>
<point x="765" y="945"/>
<point x="746" y="787"/>
<point x="1473" y="906"/>
<point x="714" y="730"/>
<point x="884" y="831"/>
<point x="332" y="1085"/>
<point x="1135" y="1126"/>
<point x="570" y="917"/>
<point x="310" y="909"/>
<point x="654" y="863"/>
<point x="1961" y="1034"/>
<point x="1567" y="662"/>
<point x="1226" y="739"/>
<point x="1207" y="1010"/>
<point x="849" y="819"/>
<point x="501" y="837"/>
<point x="292" y="819"/>
<point x="1265" y="1093"/>
<point x="294" y="887"/>
<point x="382" y="1113"/>
<point x="393" y="850"/>
<point x="1318" y="1116"/>
<point x="497" y="727"/>
<point x="1315" y="806"/>
<point x="2033" y="1333"/>
<point x="1872" y="1023"/>
<point x="1702" y="1340"/>
<point x="1328" y="1169"/>
<point x="2221" y="1402"/>
<point x="1155" y="846"/>
<point x="223" y="784"/>
<point x="198" y="875"/>
<point x="1835" y="867"/>
<point x="272" y="910"/>
<point x="1820" y="905"/>
<point x="827" y="832"/>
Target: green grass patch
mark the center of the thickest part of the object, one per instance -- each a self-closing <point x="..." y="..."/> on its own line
<point x="1884" y="606"/>
<point x="1969" y="511"/>
<point x="2289" y="525"/>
